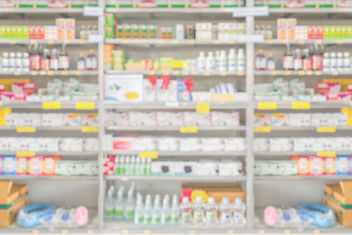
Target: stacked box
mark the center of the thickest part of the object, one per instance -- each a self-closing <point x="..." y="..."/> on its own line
<point x="118" y="60"/>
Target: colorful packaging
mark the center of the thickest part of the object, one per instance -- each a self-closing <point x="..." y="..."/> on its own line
<point x="303" y="165"/>
<point x="35" y="166"/>
<point x="49" y="164"/>
<point x="9" y="165"/>
<point x="108" y="165"/>
<point x="22" y="165"/>
<point x="316" y="166"/>
<point x="343" y="165"/>
<point x="330" y="168"/>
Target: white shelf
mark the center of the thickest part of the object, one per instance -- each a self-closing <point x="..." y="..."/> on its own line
<point x="306" y="42"/>
<point x="292" y="128"/>
<point x="294" y="177"/>
<point x="183" y="154"/>
<point x="179" y="73"/>
<point x="40" y="153"/>
<point x="170" y="10"/>
<point x="173" y="105"/>
<point x="313" y="104"/>
<point x="301" y="73"/>
<point x="54" y="177"/>
<point x="51" y="73"/>
<point x="41" y="11"/>
<point x="310" y="11"/>
<point x="168" y="128"/>
<point x="48" y="42"/>
<point x="285" y="154"/>
<point x="38" y="105"/>
<point x="170" y="42"/>
<point x="179" y="178"/>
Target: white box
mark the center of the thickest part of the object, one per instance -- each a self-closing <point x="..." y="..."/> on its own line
<point x="124" y="88"/>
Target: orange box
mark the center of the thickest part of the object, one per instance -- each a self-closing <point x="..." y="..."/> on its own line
<point x="291" y="26"/>
<point x="281" y="29"/>
<point x="70" y="29"/>
<point x="61" y="32"/>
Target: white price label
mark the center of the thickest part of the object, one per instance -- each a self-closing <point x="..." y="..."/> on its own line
<point x="92" y="11"/>
<point x="250" y="11"/>
<point x="250" y="38"/>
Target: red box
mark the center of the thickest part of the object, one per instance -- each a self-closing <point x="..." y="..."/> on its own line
<point x="23" y="87"/>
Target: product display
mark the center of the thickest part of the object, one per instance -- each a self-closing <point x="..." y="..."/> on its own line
<point x="173" y="4"/>
<point x="298" y="4"/>
<point x="54" y="4"/>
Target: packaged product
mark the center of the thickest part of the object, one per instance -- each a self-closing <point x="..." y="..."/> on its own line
<point x="145" y="143"/>
<point x="163" y="168"/>
<point x="65" y="168"/>
<point x="279" y="119"/>
<point x="49" y="163"/>
<point x="302" y="164"/>
<point x="22" y="165"/>
<point x="280" y="144"/>
<point x="316" y="166"/>
<point x="170" y="118"/>
<point x="230" y="168"/>
<point x="9" y="165"/>
<point x="330" y="168"/>
<point x="168" y="144"/>
<point x="72" y="119"/>
<point x="234" y="144"/>
<point x="108" y="165"/>
<point x="185" y="167"/>
<point x="52" y="119"/>
<point x="90" y="145"/>
<point x="343" y="165"/>
<point x="149" y="89"/>
<point x="89" y="168"/>
<point x="142" y="119"/>
<point x="225" y="118"/>
<point x="261" y="145"/>
<point x="35" y="166"/>
<point x="71" y="145"/>
<point x="184" y="90"/>
<point x="125" y="142"/>
<point x="124" y="87"/>
<point x="205" y="168"/>
<point x="196" y="119"/>
<point x="89" y="119"/>
<point x="299" y="119"/>
<point x="190" y="144"/>
<point x="212" y="144"/>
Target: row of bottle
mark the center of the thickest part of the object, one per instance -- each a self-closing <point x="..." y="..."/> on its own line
<point x="132" y="165"/>
<point x="85" y="31"/>
<point x="266" y="31"/>
<point x="186" y="213"/>
<point x="233" y="62"/>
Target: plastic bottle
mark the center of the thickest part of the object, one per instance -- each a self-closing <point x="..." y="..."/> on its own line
<point x="288" y="59"/>
<point x="132" y="170"/>
<point x="156" y="218"/>
<point x="119" y="204"/>
<point x="232" y="61"/>
<point x="326" y="62"/>
<point x="223" y="61"/>
<point x="297" y="63"/>
<point x="241" y="64"/>
<point x="271" y="62"/>
<point x="138" y="166"/>
<point x="81" y="62"/>
<point x="54" y="62"/>
<point x="34" y="59"/>
<point x="317" y="61"/>
<point x="225" y="211"/>
<point x="211" y="211"/>
<point x="143" y="167"/>
<point x="217" y="60"/>
<point x="307" y="62"/>
<point x="346" y="61"/>
<point x="260" y="61"/>
<point x="198" y="211"/>
<point x="5" y="61"/>
<point x="109" y="202"/>
<point x="166" y="211"/>
<point x="239" y="209"/>
<point x="201" y="62"/>
<point x="175" y="210"/>
<point x="130" y="205"/>
<point x="139" y="211"/>
<point x="149" y="166"/>
<point x="268" y="33"/>
<point x="148" y="210"/>
<point x="18" y="61"/>
<point x="340" y="62"/>
<point x="91" y="61"/>
<point x="45" y="61"/>
<point x="12" y="62"/>
<point x="127" y="165"/>
<point x="210" y="62"/>
<point x="186" y="211"/>
<point x="333" y="61"/>
<point x="64" y="59"/>
<point x="25" y="62"/>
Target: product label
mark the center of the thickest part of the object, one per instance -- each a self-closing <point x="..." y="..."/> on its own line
<point x="288" y="62"/>
<point x="51" y="105"/>
<point x="326" y="129"/>
<point x="203" y="108"/>
<point x="64" y="62"/>
<point x="188" y="129"/>
<point x="85" y="105"/>
<point x="300" y="105"/>
<point x="119" y="213"/>
<point x="326" y="154"/>
<point x="89" y="129"/>
<point x="152" y="155"/>
<point x="262" y="129"/>
<point x="25" y="154"/>
<point x="267" y="105"/>
<point x="25" y="129"/>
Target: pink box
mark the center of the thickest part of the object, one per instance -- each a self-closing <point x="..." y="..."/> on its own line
<point x="328" y="87"/>
<point x="23" y="87"/>
<point x="9" y="96"/>
<point x="35" y="166"/>
<point x="316" y="166"/>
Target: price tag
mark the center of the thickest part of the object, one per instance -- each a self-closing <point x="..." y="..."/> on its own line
<point x="85" y="105"/>
<point x="34" y="73"/>
<point x="273" y="72"/>
<point x="335" y="73"/>
<point x="339" y="42"/>
<point x="267" y="105"/>
<point x="35" y="231"/>
<point x="240" y="73"/>
<point x="188" y="129"/>
<point x="50" y="72"/>
<point x="287" y="73"/>
<point x="301" y="42"/>
<point x="33" y="42"/>
<point x="206" y="74"/>
<point x="78" y="72"/>
<point x="301" y="73"/>
<point x="326" y="129"/>
<point x="326" y="154"/>
<point x="90" y="231"/>
<point x="250" y="11"/>
<point x="67" y="41"/>
<point x="125" y="231"/>
<point x="217" y="41"/>
<point x="51" y="105"/>
<point x="203" y="108"/>
<point x="309" y="73"/>
<point x="172" y="104"/>
<point x="318" y="42"/>
<point x="175" y="41"/>
<point x="262" y="129"/>
<point x="12" y="42"/>
<point x="42" y="73"/>
<point x="287" y="231"/>
<point x="89" y="129"/>
<point x="318" y="73"/>
<point x="191" y="232"/>
<point x="25" y="129"/>
<point x="25" y="154"/>
<point x="230" y="231"/>
<point x="16" y="73"/>
<point x="152" y="155"/>
<point x="160" y="41"/>
<point x="92" y="11"/>
<point x="300" y="105"/>
<point x="191" y="41"/>
<point x="270" y="41"/>
<point x="64" y="73"/>
<point x="64" y="231"/>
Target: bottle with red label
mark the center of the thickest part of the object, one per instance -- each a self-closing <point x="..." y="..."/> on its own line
<point x="307" y="62"/>
<point x="91" y="61"/>
<point x="34" y="59"/>
<point x="317" y="59"/>
<point x="288" y="61"/>
<point x="45" y="60"/>
<point x="54" y="61"/>
<point x="64" y="59"/>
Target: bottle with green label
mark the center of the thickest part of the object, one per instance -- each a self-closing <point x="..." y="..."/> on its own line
<point x="148" y="210"/>
<point x="175" y="210"/>
<point x="109" y="203"/>
<point x="139" y="211"/>
<point x="198" y="211"/>
<point x="156" y="217"/>
<point x="165" y="213"/>
<point x="130" y="205"/>
<point x="119" y="204"/>
<point x="211" y="212"/>
<point x="186" y="211"/>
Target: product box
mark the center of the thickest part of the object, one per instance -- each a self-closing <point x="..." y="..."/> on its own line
<point x="12" y="198"/>
<point x="124" y="87"/>
<point x="339" y="198"/>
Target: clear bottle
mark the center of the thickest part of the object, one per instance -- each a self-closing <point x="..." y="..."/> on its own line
<point x="225" y="212"/>
<point x="132" y="166"/>
<point x="143" y="167"/>
<point x="83" y="32"/>
<point x="12" y="62"/>
<point x="340" y="62"/>
<point x="211" y="211"/>
<point x="25" y="62"/>
<point x="223" y="61"/>
<point x="186" y="211"/>
<point x="175" y="210"/>
<point x="201" y="62"/>
<point x="198" y="211"/>
<point x="271" y="62"/>
<point x="297" y="63"/>
<point x="127" y="165"/>
<point x="232" y="61"/>
<point x="109" y="203"/>
<point x="288" y="59"/>
<point x="117" y="166"/>
<point x="18" y="61"/>
<point x="54" y="61"/>
<point x="149" y="166"/>
<point x="64" y="59"/>
<point x="130" y="205"/>
<point x="5" y="61"/>
<point x="91" y="61"/>
<point x="346" y="61"/>
<point x="139" y="211"/>
<point x="156" y="218"/>
<point x="119" y="204"/>
<point x="333" y="61"/>
<point x="241" y="64"/>
<point x="138" y="166"/>
<point x="260" y="61"/>
<point x="81" y="62"/>
<point x="166" y="211"/>
<point x="326" y="62"/>
<point x="210" y="62"/>
<point x="239" y="209"/>
<point x="148" y="210"/>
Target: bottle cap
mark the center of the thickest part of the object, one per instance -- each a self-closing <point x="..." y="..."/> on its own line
<point x="211" y="200"/>
<point x="199" y="199"/>
<point x="225" y="200"/>
<point x="238" y="200"/>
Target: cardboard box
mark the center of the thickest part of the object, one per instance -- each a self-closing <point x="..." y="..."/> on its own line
<point x="218" y="191"/>
<point x="339" y="198"/>
<point x="12" y="198"/>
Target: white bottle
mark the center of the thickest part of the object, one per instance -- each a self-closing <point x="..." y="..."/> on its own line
<point x="326" y="62"/>
<point x="18" y="62"/>
<point x="271" y="62"/>
<point x="223" y="61"/>
<point x="119" y="205"/>
<point x="143" y="166"/>
<point x="186" y="211"/>
<point x="347" y="61"/>
<point x="201" y="62"/>
<point x="211" y="211"/>
<point x="340" y="62"/>
<point x="297" y="63"/>
<point x="148" y="210"/>
<point x="241" y="64"/>
<point x="139" y="211"/>
<point x="217" y="60"/>
<point x="12" y="62"/>
<point x="156" y="218"/>
<point x="5" y="61"/>
<point x="210" y="62"/>
<point x="149" y="166"/>
<point x="239" y="209"/>
<point x="198" y="211"/>
<point x="175" y="210"/>
<point x="25" y="62"/>
<point x="232" y="61"/>
<point x="138" y="166"/>
<point x="127" y="165"/>
<point x="109" y="203"/>
<point x="130" y="205"/>
<point x="166" y="212"/>
<point x="333" y="62"/>
<point x="225" y="211"/>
